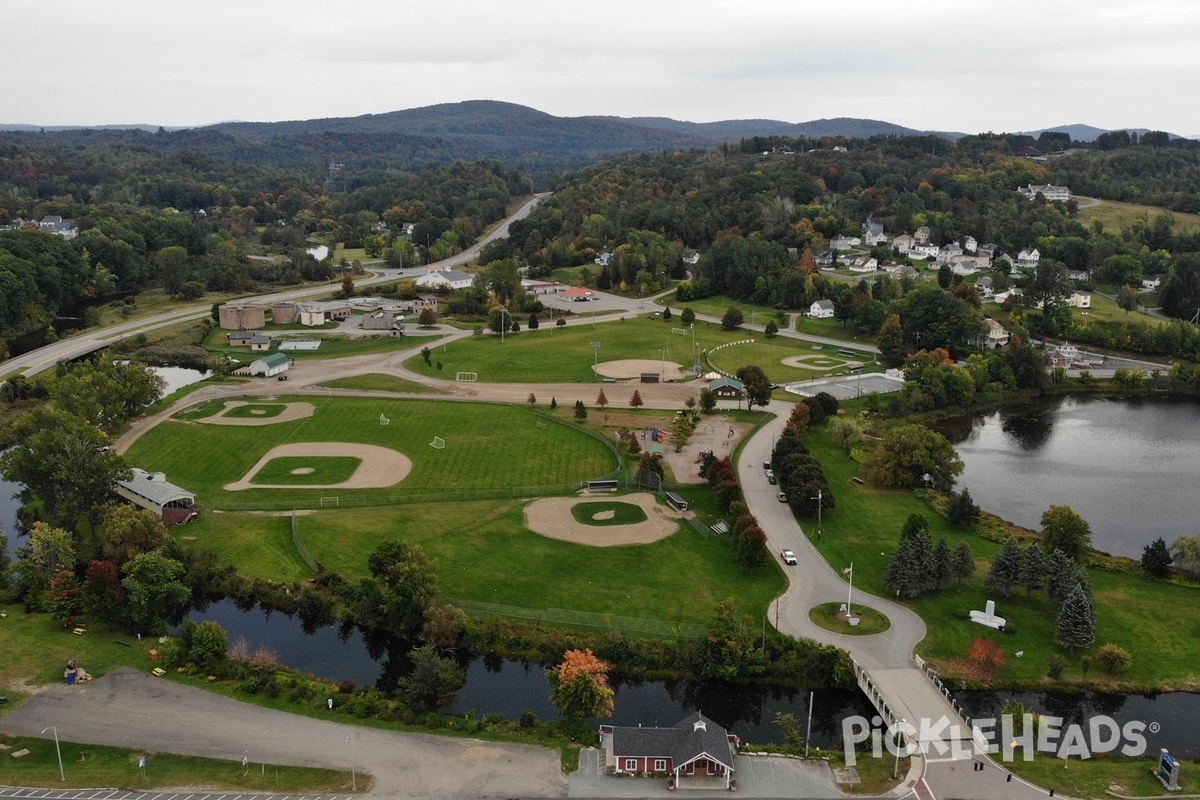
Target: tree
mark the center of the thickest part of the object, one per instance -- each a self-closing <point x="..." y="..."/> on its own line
<point x="962" y="509"/>
<point x="756" y="386"/>
<point x="751" y="547"/>
<point x="601" y="400"/>
<point x="579" y="686"/>
<point x="127" y="531"/>
<point x="1114" y="659"/>
<point x="1127" y="298"/>
<point x="50" y="551"/>
<point x="444" y="626"/>
<point x="1156" y="559"/>
<point x="666" y="314"/>
<point x="962" y="566"/>
<point x="427" y="355"/>
<point x="733" y="318"/>
<point x="153" y="583"/>
<point x="945" y="276"/>
<point x="104" y="393"/>
<point x="561" y="322"/>
<point x="1062" y="573"/>
<point x="434" y="681"/>
<point x="63" y="598"/>
<point x="913" y="455"/>
<point x="1185" y="551"/>
<point x="1005" y="572"/>
<point x="400" y="591"/>
<point x="771" y="330"/>
<point x="798" y="420"/>
<point x="63" y="461"/>
<point x="1063" y="529"/>
<point x="427" y="319"/>
<point x="207" y="644"/>
<point x="687" y="316"/>
<point x="636" y="400"/>
<point x="708" y="400"/>
<point x="891" y="341"/>
<point x="580" y="410"/>
<point x="940" y="572"/>
<point x="1075" y="628"/>
<point x="532" y="400"/>
<point x="1034" y="565"/>
<point x="533" y="322"/>
<point x="909" y="573"/>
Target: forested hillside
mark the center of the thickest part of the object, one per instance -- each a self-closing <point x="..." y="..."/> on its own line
<point x="144" y="217"/>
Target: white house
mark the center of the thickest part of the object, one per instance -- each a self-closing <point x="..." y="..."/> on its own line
<point x="1151" y="282"/>
<point x="1080" y="300"/>
<point x="873" y="232"/>
<point x="1029" y="257"/>
<point x="996" y="335"/>
<point x="963" y="265"/>
<point x="984" y="287"/>
<point x="450" y="278"/>
<point x="923" y="250"/>
<point x="1055" y="194"/>
<point x="903" y="243"/>
<point x="603" y="259"/>
<point x="844" y="242"/>
<point x="864" y="265"/>
<point x="821" y="309"/>
<point x="947" y="252"/>
<point x="921" y="235"/>
<point x="969" y="244"/>
<point x="691" y="257"/>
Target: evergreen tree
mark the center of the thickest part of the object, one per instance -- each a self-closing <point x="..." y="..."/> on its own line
<point x="1005" y="572"/>
<point x="963" y="564"/>
<point x="1060" y="574"/>
<point x="908" y="574"/>
<point x="580" y="410"/>
<point x="1156" y="559"/>
<point x="940" y="572"/>
<point x="1033" y="568"/>
<point x="962" y="509"/>
<point x="1076" y="626"/>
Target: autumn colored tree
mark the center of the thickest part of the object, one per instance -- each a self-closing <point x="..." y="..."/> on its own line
<point x="987" y="654"/>
<point x="602" y="401"/>
<point x="580" y="687"/>
<point x="636" y="400"/>
<point x="798" y="420"/>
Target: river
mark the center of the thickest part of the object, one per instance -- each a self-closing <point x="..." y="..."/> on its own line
<point x="1127" y="466"/>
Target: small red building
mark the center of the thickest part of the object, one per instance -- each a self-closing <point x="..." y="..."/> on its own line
<point x="698" y="751"/>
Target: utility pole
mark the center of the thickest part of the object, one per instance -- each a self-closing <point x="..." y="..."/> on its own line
<point x="819" y="498"/>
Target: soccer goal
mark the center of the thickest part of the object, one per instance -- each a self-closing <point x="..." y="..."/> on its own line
<point x="438" y="443"/>
<point x="329" y="501"/>
<point x="384" y="420"/>
<point x="466" y="377"/>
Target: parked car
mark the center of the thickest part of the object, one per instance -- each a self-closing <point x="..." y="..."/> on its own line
<point x="767" y="466"/>
<point x="770" y="476"/>
<point x="782" y="497"/>
<point x="771" y="480"/>
<point x="788" y="556"/>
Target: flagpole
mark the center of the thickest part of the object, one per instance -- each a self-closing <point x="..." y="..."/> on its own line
<point x="850" y="591"/>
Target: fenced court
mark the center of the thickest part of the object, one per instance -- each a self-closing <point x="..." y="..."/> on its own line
<point x="849" y="387"/>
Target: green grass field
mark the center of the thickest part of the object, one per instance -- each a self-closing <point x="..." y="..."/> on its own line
<point x="256" y="411"/>
<point x="306" y="471"/>
<point x="826" y="615"/>
<point x="488" y="448"/>
<point x="555" y="355"/>
<point x="622" y="513"/>
<point x="1118" y="216"/>
<point x="770" y="353"/>
<point x="864" y="530"/>
<point x="760" y="315"/>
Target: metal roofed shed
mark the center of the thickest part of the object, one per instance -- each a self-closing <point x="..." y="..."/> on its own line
<point x="153" y="492"/>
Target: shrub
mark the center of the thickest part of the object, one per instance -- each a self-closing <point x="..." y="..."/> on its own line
<point x="1114" y="659"/>
<point x="1057" y="665"/>
<point x="346" y="687"/>
<point x="528" y="719"/>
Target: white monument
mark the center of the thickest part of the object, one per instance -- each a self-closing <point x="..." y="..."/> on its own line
<point x="988" y="616"/>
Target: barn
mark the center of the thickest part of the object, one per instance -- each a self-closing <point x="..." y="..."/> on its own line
<point x="696" y="750"/>
<point x="152" y="491"/>
<point x="270" y="365"/>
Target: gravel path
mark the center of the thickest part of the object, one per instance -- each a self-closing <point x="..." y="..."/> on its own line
<point x="130" y="709"/>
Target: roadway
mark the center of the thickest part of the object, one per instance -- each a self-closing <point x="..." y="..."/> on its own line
<point x="86" y="342"/>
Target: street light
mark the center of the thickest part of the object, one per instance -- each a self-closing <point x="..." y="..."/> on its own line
<point x="662" y="375"/>
<point x="62" y="776"/>
<point x="353" y="770"/>
<point x="596" y="359"/>
<point x="503" y="323"/>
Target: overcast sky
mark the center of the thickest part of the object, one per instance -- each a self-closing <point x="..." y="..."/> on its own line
<point x="969" y="65"/>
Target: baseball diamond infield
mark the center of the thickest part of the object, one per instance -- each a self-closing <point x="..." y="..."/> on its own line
<point x="381" y="466"/>
<point x="634" y="367"/>
<point x="551" y="517"/>
<point x="292" y="411"/>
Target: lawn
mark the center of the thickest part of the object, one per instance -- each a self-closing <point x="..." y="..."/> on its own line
<point x="488" y="448"/>
<point x="332" y="346"/>
<point x="306" y="471"/>
<point x="1117" y="216"/>
<point x="827" y="616"/>
<point x="1107" y="309"/>
<point x="597" y="513"/>
<point x="550" y="355"/>
<point x="89" y="765"/>
<point x="485" y="553"/>
<point x="760" y="315"/>
<point x="378" y="382"/>
<point x="1094" y="777"/>
<point x="770" y="353"/>
<point x="259" y="545"/>
<point x="864" y="529"/>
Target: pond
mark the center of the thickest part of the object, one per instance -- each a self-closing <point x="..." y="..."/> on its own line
<point x="502" y="686"/>
<point x="1127" y="466"/>
<point x="178" y="377"/>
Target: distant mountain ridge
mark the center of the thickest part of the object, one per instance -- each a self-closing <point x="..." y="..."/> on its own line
<point x="1088" y="133"/>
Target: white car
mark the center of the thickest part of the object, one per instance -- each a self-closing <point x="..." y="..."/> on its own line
<point x="788" y="557"/>
<point x="782" y="497"/>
